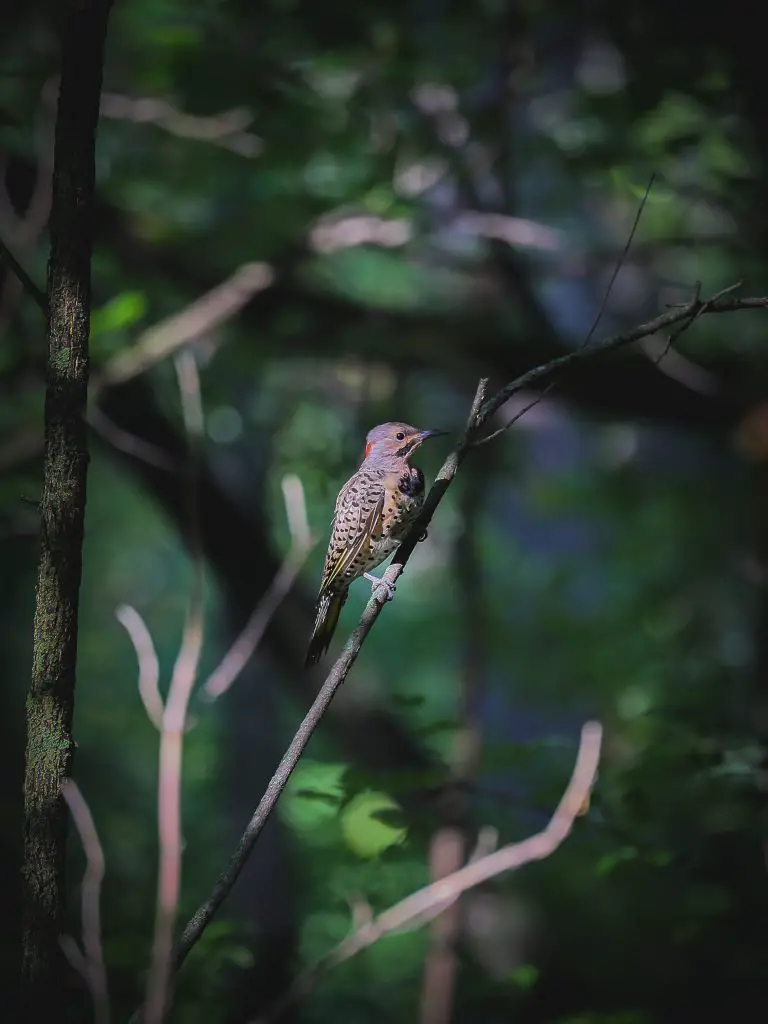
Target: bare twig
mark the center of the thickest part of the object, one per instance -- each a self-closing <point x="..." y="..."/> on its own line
<point x="598" y="316"/>
<point x="419" y="905"/>
<point x="438" y="981"/>
<point x="487" y="842"/>
<point x="619" y="262"/>
<point x="344" y="231"/>
<point x="24" y="231"/>
<point x="517" y="416"/>
<point x="195" y="320"/>
<point x="703" y="307"/>
<point x="152" y="346"/>
<point x="74" y="955"/>
<point x="447" y="848"/>
<point x="124" y="441"/>
<point x="241" y="651"/>
<point x="174" y="721"/>
<point x="92" y="963"/>
<point x="296" y="511"/>
<point x="227" y="129"/>
<point x="683" y="314"/>
<point x="302" y="542"/>
<point x="28" y="284"/>
<point x="683" y="369"/>
<point x="146" y="657"/>
<point x="678" y="367"/>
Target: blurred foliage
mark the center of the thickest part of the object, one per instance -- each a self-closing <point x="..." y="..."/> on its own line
<point x="620" y="532"/>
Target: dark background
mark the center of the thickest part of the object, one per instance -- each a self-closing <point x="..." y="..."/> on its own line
<point x="437" y="190"/>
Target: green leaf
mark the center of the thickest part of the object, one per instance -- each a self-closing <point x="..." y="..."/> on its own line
<point x="408" y="700"/>
<point x="119" y="313"/>
<point x="364" y="831"/>
<point x="313" y="795"/>
<point x="525" y="976"/>
<point x="610" y="861"/>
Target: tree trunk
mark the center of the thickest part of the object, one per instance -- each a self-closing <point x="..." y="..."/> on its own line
<point x="50" y="702"/>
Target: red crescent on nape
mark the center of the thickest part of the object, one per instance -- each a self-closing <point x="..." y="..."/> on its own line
<point x="368" y="449"/>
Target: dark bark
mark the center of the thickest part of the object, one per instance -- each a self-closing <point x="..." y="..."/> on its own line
<point x="50" y="702"/>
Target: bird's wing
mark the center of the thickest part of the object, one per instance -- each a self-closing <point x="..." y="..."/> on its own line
<point x="350" y="534"/>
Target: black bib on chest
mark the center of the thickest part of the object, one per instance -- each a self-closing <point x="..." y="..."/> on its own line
<point x="412" y="483"/>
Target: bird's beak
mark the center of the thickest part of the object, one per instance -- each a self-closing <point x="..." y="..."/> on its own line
<point x="415" y="440"/>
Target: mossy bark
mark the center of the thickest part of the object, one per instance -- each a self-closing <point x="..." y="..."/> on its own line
<point x="50" y="702"/>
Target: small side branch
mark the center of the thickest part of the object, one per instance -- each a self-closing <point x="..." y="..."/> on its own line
<point x="91" y="961"/>
<point x="165" y="338"/>
<point x="302" y="542"/>
<point x="35" y="293"/>
<point x="146" y="658"/>
<point x="420" y="907"/>
<point x="684" y="315"/>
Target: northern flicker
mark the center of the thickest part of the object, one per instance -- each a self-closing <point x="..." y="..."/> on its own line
<point x="374" y="510"/>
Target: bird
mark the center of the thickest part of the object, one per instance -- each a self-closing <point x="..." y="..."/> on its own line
<point x="374" y="510"/>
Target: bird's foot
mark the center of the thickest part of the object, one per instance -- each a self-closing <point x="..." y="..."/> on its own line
<point x="376" y="582"/>
<point x="423" y="536"/>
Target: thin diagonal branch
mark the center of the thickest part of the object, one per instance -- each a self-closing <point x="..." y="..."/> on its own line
<point x="680" y="315"/>
<point x="482" y="408"/>
<point x="166" y="337"/>
<point x="123" y="441"/>
<point x="227" y="129"/>
<point x="598" y="316"/>
<point x="619" y="262"/>
<point x="302" y="542"/>
<point x="33" y="290"/>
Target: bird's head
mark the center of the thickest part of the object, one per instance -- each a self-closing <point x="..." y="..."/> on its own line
<point x="395" y="440"/>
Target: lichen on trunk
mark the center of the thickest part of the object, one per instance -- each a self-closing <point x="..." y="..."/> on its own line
<point x="50" y="701"/>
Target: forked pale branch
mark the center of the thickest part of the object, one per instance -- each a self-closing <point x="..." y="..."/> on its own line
<point x="146" y="657"/>
<point x="174" y="719"/>
<point x="89" y="962"/>
<point x="302" y="542"/>
<point x="416" y="909"/>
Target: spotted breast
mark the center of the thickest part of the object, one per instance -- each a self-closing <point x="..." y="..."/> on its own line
<point x="374" y="511"/>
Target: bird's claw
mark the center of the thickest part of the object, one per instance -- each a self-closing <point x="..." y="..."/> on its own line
<point x="423" y="536"/>
<point x="377" y="581"/>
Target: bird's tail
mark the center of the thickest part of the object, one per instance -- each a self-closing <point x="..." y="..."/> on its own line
<point x="327" y="613"/>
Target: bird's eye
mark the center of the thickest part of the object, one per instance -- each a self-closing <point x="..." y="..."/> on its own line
<point x="400" y="436"/>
